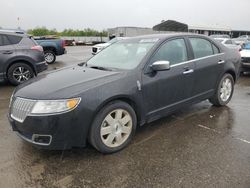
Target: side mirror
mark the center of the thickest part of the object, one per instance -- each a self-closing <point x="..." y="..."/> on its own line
<point x="160" y="65"/>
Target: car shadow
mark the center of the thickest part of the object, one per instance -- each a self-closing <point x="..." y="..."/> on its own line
<point x="143" y="133"/>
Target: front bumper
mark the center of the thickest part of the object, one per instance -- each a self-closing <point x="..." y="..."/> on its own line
<point x="55" y="132"/>
<point x="245" y="64"/>
<point x="42" y="66"/>
<point x="61" y="52"/>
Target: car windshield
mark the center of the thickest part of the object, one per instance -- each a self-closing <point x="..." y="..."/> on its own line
<point x="247" y="46"/>
<point x="122" y="55"/>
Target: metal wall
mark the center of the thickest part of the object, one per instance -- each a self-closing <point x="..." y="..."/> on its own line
<point x="132" y="31"/>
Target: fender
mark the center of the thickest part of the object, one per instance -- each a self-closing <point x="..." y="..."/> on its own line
<point x="17" y="59"/>
<point x="48" y="44"/>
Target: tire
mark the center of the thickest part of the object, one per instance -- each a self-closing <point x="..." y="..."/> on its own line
<point x="50" y="56"/>
<point x="19" y="73"/>
<point x="107" y="133"/>
<point x="223" y="92"/>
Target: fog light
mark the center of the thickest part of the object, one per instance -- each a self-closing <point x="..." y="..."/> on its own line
<point x="41" y="139"/>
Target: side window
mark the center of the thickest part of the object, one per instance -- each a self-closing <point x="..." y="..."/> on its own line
<point x="174" y="51"/>
<point x="14" y="39"/>
<point x="4" y="41"/>
<point x="201" y="47"/>
<point x="1" y="40"/>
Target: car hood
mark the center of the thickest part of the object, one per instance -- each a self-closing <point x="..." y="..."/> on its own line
<point x="65" y="83"/>
<point x="245" y="53"/>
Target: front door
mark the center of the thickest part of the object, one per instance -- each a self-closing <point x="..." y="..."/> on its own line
<point x="164" y="91"/>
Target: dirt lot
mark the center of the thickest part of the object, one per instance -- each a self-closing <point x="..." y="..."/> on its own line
<point x="200" y="146"/>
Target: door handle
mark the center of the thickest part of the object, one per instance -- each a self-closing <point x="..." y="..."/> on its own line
<point x="221" y="62"/>
<point x="188" y="71"/>
<point x="7" y="52"/>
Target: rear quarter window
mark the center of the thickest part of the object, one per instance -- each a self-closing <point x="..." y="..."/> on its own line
<point x="215" y="49"/>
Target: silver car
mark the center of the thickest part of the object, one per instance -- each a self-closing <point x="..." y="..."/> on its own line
<point x="229" y="43"/>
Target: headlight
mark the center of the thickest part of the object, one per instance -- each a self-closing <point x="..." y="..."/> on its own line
<point x="54" y="106"/>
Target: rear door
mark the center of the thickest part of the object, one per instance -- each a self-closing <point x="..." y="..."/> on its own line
<point x="7" y="51"/>
<point x="209" y="64"/>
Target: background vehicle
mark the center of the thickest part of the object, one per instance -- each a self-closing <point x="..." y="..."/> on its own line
<point x="229" y="43"/>
<point x="70" y="42"/>
<point x="244" y="37"/>
<point x="21" y="58"/>
<point x="132" y="82"/>
<point x="245" y="58"/>
<point x="240" y="41"/>
<point x="220" y="36"/>
<point x="52" y="47"/>
<point x="97" y="48"/>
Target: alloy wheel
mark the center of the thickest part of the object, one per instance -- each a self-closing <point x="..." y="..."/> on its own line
<point x="21" y="74"/>
<point x="116" y="128"/>
<point x="226" y="89"/>
<point x="49" y="57"/>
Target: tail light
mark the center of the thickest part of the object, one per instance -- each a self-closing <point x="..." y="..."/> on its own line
<point x="63" y="43"/>
<point x="37" y="48"/>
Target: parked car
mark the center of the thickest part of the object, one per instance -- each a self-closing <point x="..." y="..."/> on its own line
<point x="245" y="37"/>
<point x="220" y="36"/>
<point x="132" y="82"/>
<point x="245" y="58"/>
<point x="97" y="48"/>
<point x="21" y="58"/>
<point x="69" y="42"/>
<point x="52" y="47"/>
<point x="240" y="41"/>
<point x="229" y="43"/>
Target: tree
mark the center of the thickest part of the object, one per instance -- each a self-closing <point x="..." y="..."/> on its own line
<point x="43" y="31"/>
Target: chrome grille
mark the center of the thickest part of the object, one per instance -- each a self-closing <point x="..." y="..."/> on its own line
<point x="20" y="108"/>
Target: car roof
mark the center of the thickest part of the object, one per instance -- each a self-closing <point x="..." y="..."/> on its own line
<point x="13" y="32"/>
<point x="166" y="36"/>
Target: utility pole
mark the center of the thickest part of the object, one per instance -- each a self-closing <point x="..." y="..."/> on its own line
<point x="18" y="23"/>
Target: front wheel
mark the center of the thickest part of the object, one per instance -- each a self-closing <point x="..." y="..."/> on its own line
<point x="113" y="127"/>
<point x="224" y="91"/>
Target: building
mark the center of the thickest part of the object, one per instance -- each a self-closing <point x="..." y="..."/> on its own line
<point x="131" y="31"/>
<point x="174" y="26"/>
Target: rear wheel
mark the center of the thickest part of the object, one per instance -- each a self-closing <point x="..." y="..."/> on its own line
<point x="19" y="73"/>
<point x="224" y="91"/>
<point x="113" y="127"/>
<point x="50" y="56"/>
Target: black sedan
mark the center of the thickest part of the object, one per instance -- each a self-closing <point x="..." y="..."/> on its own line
<point x="130" y="83"/>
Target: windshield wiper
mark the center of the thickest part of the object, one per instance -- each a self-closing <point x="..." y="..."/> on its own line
<point x="94" y="67"/>
<point x="81" y="64"/>
<point x="101" y="68"/>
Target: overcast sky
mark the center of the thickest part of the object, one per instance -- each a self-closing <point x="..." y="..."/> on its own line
<point x="102" y="14"/>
